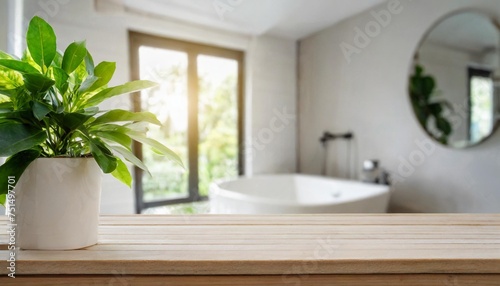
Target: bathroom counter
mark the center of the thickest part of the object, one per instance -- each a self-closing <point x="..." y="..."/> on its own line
<point x="422" y="249"/>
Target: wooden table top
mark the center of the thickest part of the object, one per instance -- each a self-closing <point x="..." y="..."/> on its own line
<point x="276" y="245"/>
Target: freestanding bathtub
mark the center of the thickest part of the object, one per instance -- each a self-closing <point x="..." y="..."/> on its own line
<point x="296" y="194"/>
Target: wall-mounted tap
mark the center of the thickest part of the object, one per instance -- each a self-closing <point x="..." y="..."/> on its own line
<point x="327" y="136"/>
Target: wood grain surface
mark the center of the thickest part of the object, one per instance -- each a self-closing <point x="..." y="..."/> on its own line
<point x="436" y="247"/>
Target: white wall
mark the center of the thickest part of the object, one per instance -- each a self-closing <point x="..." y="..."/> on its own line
<point x="4" y="24"/>
<point x="369" y="96"/>
<point x="274" y="106"/>
<point x="107" y="39"/>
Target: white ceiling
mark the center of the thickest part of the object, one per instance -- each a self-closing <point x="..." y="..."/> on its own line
<point x="294" y="19"/>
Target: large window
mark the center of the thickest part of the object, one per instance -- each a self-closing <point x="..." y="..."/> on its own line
<point x="200" y="103"/>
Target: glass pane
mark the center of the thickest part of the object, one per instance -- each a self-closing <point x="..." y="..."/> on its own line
<point x="169" y="103"/>
<point x="217" y="119"/>
<point x="481" y="108"/>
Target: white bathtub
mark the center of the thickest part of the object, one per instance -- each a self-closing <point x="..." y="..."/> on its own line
<point x="296" y="194"/>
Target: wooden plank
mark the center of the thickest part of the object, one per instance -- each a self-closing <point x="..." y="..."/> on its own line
<point x="335" y="254"/>
<point x="304" y="280"/>
<point x="291" y="229"/>
<point x="264" y="266"/>
<point x="329" y="219"/>
<point x="294" y="243"/>
<point x="387" y="230"/>
<point x="302" y="232"/>
<point x="274" y="245"/>
<point x="286" y="247"/>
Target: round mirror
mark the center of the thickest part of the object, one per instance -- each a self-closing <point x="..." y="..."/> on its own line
<point x="455" y="80"/>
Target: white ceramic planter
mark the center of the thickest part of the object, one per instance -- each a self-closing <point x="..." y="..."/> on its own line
<point x="57" y="204"/>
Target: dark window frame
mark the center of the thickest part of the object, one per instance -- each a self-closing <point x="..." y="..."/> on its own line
<point x="136" y="40"/>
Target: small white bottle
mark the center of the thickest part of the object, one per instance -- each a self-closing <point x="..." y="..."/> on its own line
<point x="371" y="172"/>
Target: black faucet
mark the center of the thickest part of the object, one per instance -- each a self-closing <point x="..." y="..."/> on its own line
<point x="327" y="136"/>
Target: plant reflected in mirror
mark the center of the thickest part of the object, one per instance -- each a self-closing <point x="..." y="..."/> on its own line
<point x="429" y="109"/>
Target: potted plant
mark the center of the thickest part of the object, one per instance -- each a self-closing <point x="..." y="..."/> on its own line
<point x="57" y="140"/>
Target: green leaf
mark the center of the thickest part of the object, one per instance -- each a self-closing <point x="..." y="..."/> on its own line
<point x="3" y="199"/>
<point x="8" y="92"/>
<point x="73" y="56"/>
<point x="139" y="127"/>
<point x="89" y="63"/>
<point x="104" y="71"/>
<point x="428" y="85"/>
<point x="110" y="127"/>
<point x="41" y="41"/>
<point x="119" y="115"/>
<point x="435" y="108"/>
<point x="19" y="66"/>
<point x="19" y="117"/>
<point x="6" y="107"/>
<point x="103" y="156"/>
<point x="89" y="81"/>
<point x="444" y="125"/>
<point x="419" y="70"/>
<point x="40" y="110"/>
<point x="18" y="137"/>
<point x="129" y="156"/>
<point x="122" y="173"/>
<point x="79" y="75"/>
<point x="129" y="87"/>
<point x="73" y="121"/>
<point x="51" y="96"/>
<point x="10" y="79"/>
<point x="61" y="78"/>
<point x="117" y="137"/>
<point x="162" y="149"/>
<point x="37" y="83"/>
<point x="4" y="55"/>
<point x="57" y="62"/>
<point x="15" y="167"/>
<point x="90" y="111"/>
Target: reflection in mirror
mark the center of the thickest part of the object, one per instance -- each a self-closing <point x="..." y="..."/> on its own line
<point x="452" y="86"/>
